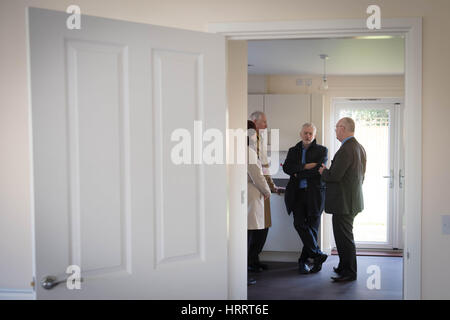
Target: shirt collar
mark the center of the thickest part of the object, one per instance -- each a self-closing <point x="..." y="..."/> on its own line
<point x="345" y="140"/>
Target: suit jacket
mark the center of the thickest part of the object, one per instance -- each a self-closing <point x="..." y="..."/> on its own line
<point x="316" y="188"/>
<point x="344" y="179"/>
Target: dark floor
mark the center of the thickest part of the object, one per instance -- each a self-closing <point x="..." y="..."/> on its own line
<point x="283" y="282"/>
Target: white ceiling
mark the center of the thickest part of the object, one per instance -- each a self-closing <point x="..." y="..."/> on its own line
<point x="346" y="56"/>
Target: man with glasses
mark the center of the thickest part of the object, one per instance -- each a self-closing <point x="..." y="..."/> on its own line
<point x="344" y="197"/>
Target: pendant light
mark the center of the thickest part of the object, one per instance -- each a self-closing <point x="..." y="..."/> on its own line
<point x="324" y="84"/>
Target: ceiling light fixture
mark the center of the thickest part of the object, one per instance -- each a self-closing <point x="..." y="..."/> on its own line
<point x="324" y="85"/>
<point x="378" y="37"/>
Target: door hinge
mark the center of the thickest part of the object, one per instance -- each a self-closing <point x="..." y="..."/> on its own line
<point x="400" y="178"/>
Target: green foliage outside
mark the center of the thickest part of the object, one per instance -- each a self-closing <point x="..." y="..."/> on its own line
<point x="370" y="117"/>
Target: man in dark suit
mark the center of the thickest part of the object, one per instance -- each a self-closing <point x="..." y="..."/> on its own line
<point x="344" y="197"/>
<point x="305" y="195"/>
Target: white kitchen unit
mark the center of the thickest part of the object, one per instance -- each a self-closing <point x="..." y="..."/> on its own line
<point x="287" y="113"/>
<point x="255" y="103"/>
<point x="282" y="236"/>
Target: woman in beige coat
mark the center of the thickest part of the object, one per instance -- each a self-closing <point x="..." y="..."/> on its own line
<point x="258" y="190"/>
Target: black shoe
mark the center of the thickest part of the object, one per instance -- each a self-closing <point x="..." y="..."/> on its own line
<point x="337" y="270"/>
<point x="251" y="281"/>
<point x="303" y="268"/>
<point x="342" y="278"/>
<point x="318" y="261"/>
<point x="254" y="268"/>
<point x="263" y="266"/>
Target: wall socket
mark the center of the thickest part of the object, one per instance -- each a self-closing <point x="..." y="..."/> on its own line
<point x="305" y="82"/>
<point x="446" y="224"/>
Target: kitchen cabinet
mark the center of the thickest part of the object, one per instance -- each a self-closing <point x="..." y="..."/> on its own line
<point x="255" y="103"/>
<point x="285" y="112"/>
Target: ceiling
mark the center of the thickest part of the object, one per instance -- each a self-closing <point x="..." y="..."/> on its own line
<point x="346" y="56"/>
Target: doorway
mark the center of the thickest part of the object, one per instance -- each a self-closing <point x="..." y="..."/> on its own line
<point x="411" y="29"/>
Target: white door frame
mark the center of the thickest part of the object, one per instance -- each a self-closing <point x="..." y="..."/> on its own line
<point x="411" y="29"/>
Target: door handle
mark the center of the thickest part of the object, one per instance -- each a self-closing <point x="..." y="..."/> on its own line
<point x="391" y="179"/>
<point x="49" y="282"/>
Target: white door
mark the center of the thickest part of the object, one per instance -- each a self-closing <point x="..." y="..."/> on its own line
<point x="107" y="197"/>
<point x="378" y="130"/>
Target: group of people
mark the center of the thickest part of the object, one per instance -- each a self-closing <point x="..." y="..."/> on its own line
<point x="312" y="188"/>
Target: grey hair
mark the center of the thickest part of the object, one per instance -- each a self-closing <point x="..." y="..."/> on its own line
<point x="309" y="125"/>
<point x="349" y="124"/>
<point x="256" y="115"/>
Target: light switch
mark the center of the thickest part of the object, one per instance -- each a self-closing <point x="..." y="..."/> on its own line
<point x="446" y="224"/>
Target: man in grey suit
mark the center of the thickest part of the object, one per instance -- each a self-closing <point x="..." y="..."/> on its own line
<point x="344" y="197"/>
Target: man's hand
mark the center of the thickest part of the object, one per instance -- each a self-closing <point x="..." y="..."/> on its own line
<point x="266" y="196"/>
<point x="279" y="190"/>
<point x="309" y="166"/>
<point x="276" y="190"/>
<point x="323" y="167"/>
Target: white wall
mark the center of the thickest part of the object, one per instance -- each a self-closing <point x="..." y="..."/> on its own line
<point x="257" y="84"/>
<point x="15" y="203"/>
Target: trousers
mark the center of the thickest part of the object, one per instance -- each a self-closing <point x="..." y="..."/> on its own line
<point x="255" y="243"/>
<point x="345" y="243"/>
<point x="307" y="226"/>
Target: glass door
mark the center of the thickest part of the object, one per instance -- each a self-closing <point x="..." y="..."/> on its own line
<point x="376" y="130"/>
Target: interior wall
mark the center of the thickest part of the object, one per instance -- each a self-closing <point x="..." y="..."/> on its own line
<point x="237" y="173"/>
<point x="257" y="84"/>
<point x="15" y="199"/>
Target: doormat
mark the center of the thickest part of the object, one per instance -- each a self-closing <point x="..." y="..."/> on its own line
<point x="376" y="253"/>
